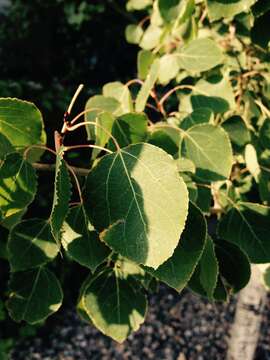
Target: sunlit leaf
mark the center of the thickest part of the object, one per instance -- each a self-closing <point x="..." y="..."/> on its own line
<point x="227" y="9"/>
<point x="18" y="184"/>
<point x="200" y="55"/>
<point x="133" y="33"/>
<point x="177" y="270"/>
<point x="136" y="197"/>
<point x="129" y="129"/>
<point x="20" y="122"/>
<point x="147" y="86"/>
<point x="97" y="104"/>
<point x="205" y="145"/>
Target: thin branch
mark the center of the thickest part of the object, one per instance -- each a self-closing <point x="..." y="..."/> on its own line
<point x="83" y="113"/>
<point x="43" y="147"/>
<point x="74" y="127"/>
<point x="72" y="102"/>
<point x="152" y="94"/>
<point x="80" y="87"/>
<point x="67" y="148"/>
<point x="263" y="108"/>
<point x="180" y="87"/>
<point x="51" y="167"/>
<point x="134" y="81"/>
<point x="141" y="23"/>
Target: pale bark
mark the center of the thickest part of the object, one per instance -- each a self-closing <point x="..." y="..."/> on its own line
<point x="245" y="330"/>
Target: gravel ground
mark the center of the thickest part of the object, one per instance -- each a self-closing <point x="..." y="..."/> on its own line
<point x="175" y="325"/>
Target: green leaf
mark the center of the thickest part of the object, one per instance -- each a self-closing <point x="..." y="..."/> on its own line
<point x="137" y="197"/>
<point x="252" y="161"/>
<point x="233" y="265"/>
<point x="103" y="130"/>
<point x="144" y="61"/>
<point x="217" y="95"/>
<point x="266" y="277"/>
<point x="81" y="242"/>
<point x="247" y="225"/>
<point x="151" y="37"/>
<point x="205" y="145"/>
<point x="170" y="130"/>
<point x="191" y="186"/>
<point x="200" y="55"/>
<point x="61" y="196"/>
<point x="161" y="139"/>
<point x="31" y="244"/>
<point x="133" y="33"/>
<point x="80" y="307"/>
<point x="11" y="220"/>
<point x="97" y="104"/>
<point x="185" y="165"/>
<point x="169" y="9"/>
<point x="168" y="68"/>
<point x="121" y="93"/>
<point x="264" y="186"/>
<point x="198" y="116"/>
<point x="218" y="9"/>
<point x="204" y="198"/>
<point x="260" y="7"/>
<point x="177" y="270"/>
<point x="5" y="147"/>
<point x="259" y="32"/>
<point x="127" y="269"/>
<point x="35" y="294"/>
<point x="264" y="134"/>
<point x="147" y="86"/>
<point x="179" y="10"/>
<point x="20" y="122"/>
<point x="204" y="279"/>
<point x="237" y="130"/>
<point x="138" y="4"/>
<point x="115" y="305"/>
<point x="18" y="184"/>
<point x="221" y="292"/>
<point x="129" y="129"/>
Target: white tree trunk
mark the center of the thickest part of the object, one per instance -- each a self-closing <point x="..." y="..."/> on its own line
<point x="245" y="330"/>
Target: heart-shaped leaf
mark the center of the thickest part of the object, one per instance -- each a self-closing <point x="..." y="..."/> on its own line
<point x="115" y="305"/>
<point x="138" y="199"/>
<point x="35" y="294"/>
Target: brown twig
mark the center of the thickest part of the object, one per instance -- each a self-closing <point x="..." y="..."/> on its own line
<point x="51" y="167"/>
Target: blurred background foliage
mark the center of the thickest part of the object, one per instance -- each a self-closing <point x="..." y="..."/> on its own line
<point x="48" y="47"/>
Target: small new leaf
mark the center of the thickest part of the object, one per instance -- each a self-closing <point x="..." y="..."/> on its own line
<point x="147" y="86"/>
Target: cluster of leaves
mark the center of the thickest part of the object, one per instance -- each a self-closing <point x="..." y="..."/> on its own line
<point x="158" y="174"/>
